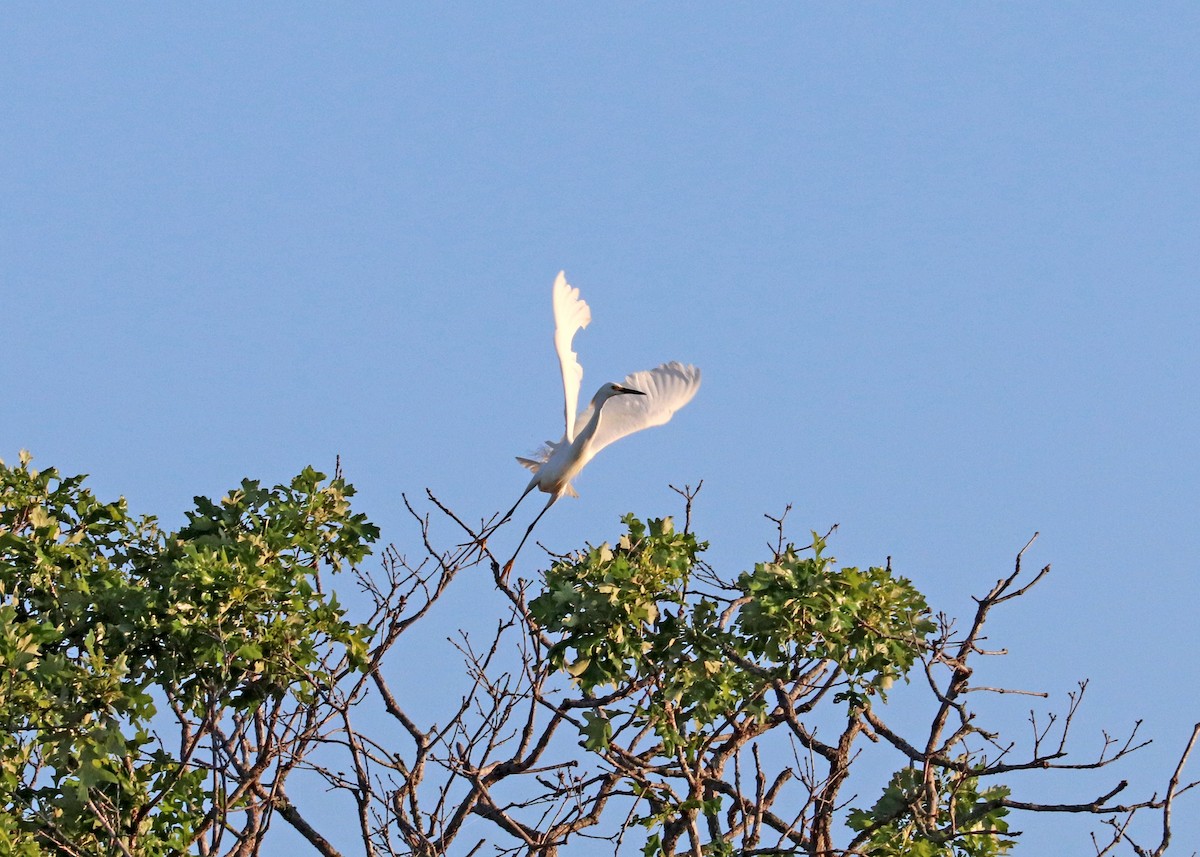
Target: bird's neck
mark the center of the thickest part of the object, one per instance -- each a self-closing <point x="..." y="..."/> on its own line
<point x="593" y="423"/>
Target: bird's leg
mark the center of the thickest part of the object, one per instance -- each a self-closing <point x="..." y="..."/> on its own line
<point x="549" y="503"/>
<point x="481" y="540"/>
<point x="487" y="531"/>
<point x="509" y="513"/>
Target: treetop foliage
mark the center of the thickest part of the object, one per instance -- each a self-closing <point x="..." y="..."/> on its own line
<point x="633" y="693"/>
<point x="102" y="613"/>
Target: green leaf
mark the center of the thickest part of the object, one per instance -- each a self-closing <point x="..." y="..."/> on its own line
<point x="597" y="731"/>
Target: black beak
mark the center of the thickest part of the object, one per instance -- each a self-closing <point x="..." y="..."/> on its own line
<point x="621" y="389"/>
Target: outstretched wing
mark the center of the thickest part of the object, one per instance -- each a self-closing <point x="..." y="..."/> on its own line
<point x="570" y="315"/>
<point x="667" y="389"/>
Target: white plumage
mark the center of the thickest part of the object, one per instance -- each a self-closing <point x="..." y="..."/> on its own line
<point x="641" y="400"/>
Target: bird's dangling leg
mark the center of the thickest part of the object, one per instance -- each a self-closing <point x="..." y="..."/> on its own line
<point x="524" y="494"/>
<point x="487" y="531"/>
<point x="549" y="503"/>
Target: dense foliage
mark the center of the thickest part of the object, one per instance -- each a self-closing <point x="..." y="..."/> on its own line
<point x="104" y="617"/>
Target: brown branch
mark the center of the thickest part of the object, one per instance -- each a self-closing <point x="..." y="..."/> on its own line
<point x="1172" y="790"/>
<point x="283" y="805"/>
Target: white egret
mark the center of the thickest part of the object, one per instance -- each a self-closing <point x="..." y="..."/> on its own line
<point x="642" y="400"/>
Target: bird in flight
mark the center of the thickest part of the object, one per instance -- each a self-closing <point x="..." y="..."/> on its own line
<point x="641" y="400"/>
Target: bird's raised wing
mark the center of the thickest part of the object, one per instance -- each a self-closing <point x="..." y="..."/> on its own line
<point x="570" y="314"/>
<point x="667" y="389"/>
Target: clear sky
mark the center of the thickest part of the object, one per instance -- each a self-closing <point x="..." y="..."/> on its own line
<point x="938" y="263"/>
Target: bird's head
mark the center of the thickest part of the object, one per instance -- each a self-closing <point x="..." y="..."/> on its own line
<point x="609" y="390"/>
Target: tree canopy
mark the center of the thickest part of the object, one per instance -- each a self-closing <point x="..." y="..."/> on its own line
<point x="188" y="691"/>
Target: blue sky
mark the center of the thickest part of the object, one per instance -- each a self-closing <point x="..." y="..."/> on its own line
<point x="938" y="264"/>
